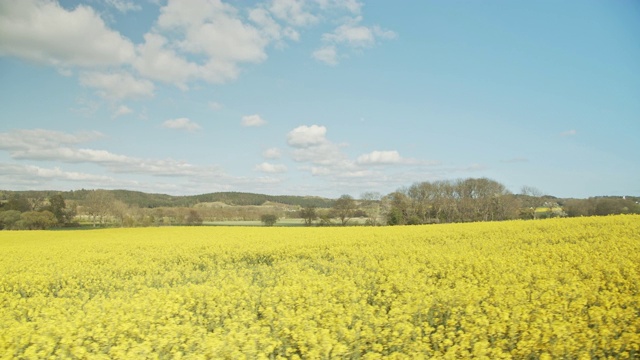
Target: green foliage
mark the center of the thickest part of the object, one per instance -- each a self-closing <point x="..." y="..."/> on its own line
<point x="58" y="207"/>
<point x="395" y="217"/>
<point x="9" y="219"/>
<point x="36" y="220"/>
<point x="19" y="203"/>
<point x="269" y="219"/>
<point x="145" y="200"/>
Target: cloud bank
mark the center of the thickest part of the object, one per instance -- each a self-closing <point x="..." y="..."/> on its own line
<point x="207" y="41"/>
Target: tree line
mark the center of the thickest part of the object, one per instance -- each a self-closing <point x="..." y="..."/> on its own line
<point x="35" y="213"/>
<point x="482" y="199"/>
<point x="450" y="201"/>
<point x="464" y="200"/>
<point x="146" y="200"/>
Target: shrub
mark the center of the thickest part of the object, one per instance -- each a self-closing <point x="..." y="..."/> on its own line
<point x="268" y="219"/>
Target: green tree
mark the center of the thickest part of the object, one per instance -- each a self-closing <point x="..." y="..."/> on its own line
<point x="396" y="208"/>
<point x="58" y="207"/>
<point x="18" y="203"/>
<point x="9" y="219"/>
<point x="269" y="219"/>
<point x="37" y="220"/>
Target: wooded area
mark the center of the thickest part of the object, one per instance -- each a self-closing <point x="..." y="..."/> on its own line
<point x="465" y="200"/>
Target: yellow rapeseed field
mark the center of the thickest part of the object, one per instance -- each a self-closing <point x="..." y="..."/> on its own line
<point x="547" y="289"/>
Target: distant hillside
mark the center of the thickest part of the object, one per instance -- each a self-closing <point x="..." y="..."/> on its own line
<point x="146" y="200"/>
<point x="239" y="198"/>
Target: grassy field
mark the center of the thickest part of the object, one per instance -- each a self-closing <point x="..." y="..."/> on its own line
<point x="547" y="289"/>
<point x="281" y="222"/>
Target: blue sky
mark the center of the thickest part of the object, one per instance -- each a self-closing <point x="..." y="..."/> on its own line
<point x="319" y="97"/>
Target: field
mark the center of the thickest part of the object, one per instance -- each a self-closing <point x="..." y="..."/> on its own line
<point x="559" y="288"/>
<point x="281" y="222"/>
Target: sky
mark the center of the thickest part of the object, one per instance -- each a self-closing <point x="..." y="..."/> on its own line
<point x="319" y="97"/>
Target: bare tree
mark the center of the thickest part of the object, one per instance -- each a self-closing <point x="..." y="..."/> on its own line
<point x="371" y="204"/>
<point x="309" y="214"/>
<point x="193" y="218"/>
<point x="531" y="198"/>
<point x="98" y="204"/>
<point x="120" y="210"/>
<point x="450" y="201"/>
<point x="422" y="198"/>
<point x="344" y="208"/>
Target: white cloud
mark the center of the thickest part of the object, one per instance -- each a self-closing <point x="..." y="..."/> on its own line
<point x="226" y="38"/>
<point x="355" y="35"/>
<point x="181" y="124"/>
<point x="40" y="138"/>
<point x="311" y="146"/>
<point x="117" y="85"/>
<point x="323" y="158"/>
<point x="306" y="136"/>
<point x="350" y="34"/>
<point x="158" y="63"/>
<point x="269" y="27"/>
<point x="124" y="6"/>
<point x="327" y="154"/>
<point x="272" y="153"/>
<point x="42" y="144"/>
<point x="174" y="14"/>
<point x="384" y="33"/>
<point x="320" y="171"/>
<point x="271" y="168"/>
<point x="30" y="171"/>
<point x="44" y="32"/>
<point x="390" y="157"/>
<point x="207" y="29"/>
<point x="353" y="6"/>
<point x="48" y="145"/>
<point x="253" y="121"/>
<point x="380" y="158"/>
<point x="293" y="12"/>
<point x="206" y="40"/>
<point x="569" y="133"/>
<point x="326" y="54"/>
<point x="121" y="111"/>
<point x="70" y="155"/>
